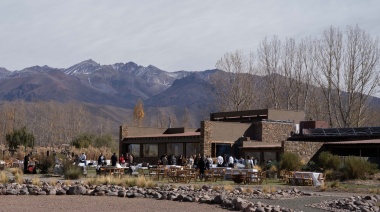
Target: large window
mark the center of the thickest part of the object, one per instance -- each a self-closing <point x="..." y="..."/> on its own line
<point x="150" y="150"/>
<point x="222" y="149"/>
<point x="192" y="149"/>
<point x="175" y="148"/>
<point x="134" y="149"/>
<point x="269" y="156"/>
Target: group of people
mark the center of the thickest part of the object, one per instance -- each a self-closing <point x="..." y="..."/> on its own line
<point x="128" y="159"/>
<point x="203" y="163"/>
<point x="230" y="161"/>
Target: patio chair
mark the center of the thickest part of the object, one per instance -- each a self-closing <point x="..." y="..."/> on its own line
<point x="163" y="173"/>
<point x="183" y="176"/>
<point x="252" y="177"/>
<point x="262" y="177"/>
<point x="289" y="176"/>
<point x="307" y="180"/>
<point x="219" y="174"/>
<point x="208" y="175"/>
<point x="172" y="175"/>
<point x="154" y="174"/>
<point x="193" y="174"/>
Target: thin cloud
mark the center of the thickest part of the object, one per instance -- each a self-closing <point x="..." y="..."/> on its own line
<point x="172" y="35"/>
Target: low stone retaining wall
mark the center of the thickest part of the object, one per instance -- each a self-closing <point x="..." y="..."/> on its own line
<point x="234" y="199"/>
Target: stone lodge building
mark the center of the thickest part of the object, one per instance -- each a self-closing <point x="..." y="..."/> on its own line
<point x="262" y="134"/>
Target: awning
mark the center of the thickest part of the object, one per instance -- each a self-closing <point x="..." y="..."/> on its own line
<point x="357" y="142"/>
<point x="260" y="145"/>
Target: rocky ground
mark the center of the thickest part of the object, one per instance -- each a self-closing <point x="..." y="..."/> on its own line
<point x="76" y="196"/>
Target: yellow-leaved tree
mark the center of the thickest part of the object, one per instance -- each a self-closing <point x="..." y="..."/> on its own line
<point x="138" y="112"/>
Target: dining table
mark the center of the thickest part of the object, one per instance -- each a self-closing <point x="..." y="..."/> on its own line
<point x="315" y="176"/>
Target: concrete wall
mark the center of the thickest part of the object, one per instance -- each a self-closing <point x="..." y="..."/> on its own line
<point x="306" y="150"/>
<point x="222" y="132"/>
<point x="286" y="115"/>
<point x="227" y="131"/>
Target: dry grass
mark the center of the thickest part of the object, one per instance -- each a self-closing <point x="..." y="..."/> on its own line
<point x="215" y="188"/>
<point x="248" y="190"/>
<point x="323" y="187"/>
<point x="273" y="189"/>
<point x="15" y="170"/>
<point x="68" y="182"/>
<point x="229" y="188"/>
<point x="374" y="191"/>
<point x="269" y="189"/>
<point x="197" y="187"/>
<point x="19" y="178"/>
<point x="53" y="182"/>
<point x="4" y="177"/>
<point x="259" y="169"/>
<point x="121" y="181"/>
<point x="335" y="184"/>
<point x="36" y="181"/>
<point x="144" y="183"/>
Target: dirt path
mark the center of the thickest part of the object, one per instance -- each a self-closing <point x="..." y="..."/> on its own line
<point x="91" y="203"/>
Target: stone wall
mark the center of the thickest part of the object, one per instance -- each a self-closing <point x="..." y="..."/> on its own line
<point x="306" y="150"/>
<point x="275" y="132"/>
<point x="206" y="132"/>
<point x="123" y="132"/>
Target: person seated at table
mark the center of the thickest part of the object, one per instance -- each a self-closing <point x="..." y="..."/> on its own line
<point x="220" y="161"/>
<point x="231" y="161"/>
<point x="184" y="161"/>
<point x="121" y="159"/>
<point x="210" y="161"/>
<point x="248" y="163"/>
<point x="130" y="159"/>
<point x="180" y="160"/>
<point x="241" y="160"/>
<point x="113" y="159"/>
<point x="173" y="160"/>
<point x="190" y="161"/>
<point x="164" y="160"/>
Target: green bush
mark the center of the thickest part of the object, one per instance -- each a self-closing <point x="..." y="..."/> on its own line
<point x="331" y="175"/>
<point x="82" y="141"/>
<point x="357" y="168"/>
<point x="290" y="161"/>
<point x="327" y="161"/>
<point x="45" y="164"/>
<point x="311" y="166"/>
<point x="70" y="170"/>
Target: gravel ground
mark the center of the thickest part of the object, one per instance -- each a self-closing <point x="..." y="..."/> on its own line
<point x="91" y="203"/>
<point x="300" y="202"/>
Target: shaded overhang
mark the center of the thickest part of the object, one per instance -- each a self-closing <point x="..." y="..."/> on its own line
<point x="261" y="145"/>
<point x="372" y="142"/>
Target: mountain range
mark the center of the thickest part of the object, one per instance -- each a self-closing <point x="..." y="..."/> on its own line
<point x="110" y="92"/>
<point x="116" y="86"/>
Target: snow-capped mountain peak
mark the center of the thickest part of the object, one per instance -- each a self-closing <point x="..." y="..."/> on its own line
<point x="85" y="67"/>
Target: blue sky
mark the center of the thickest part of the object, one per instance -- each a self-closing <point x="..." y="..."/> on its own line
<point x="169" y="34"/>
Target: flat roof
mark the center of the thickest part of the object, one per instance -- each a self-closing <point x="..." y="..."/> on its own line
<point x="372" y="141"/>
<point x="185" y="134"/>
<point x="259" y="144"/>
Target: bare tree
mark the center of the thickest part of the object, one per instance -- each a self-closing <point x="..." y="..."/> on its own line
<point x="269" y="54"/>
<point x="234" y="84"/>
<point x="347" y="73"/>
